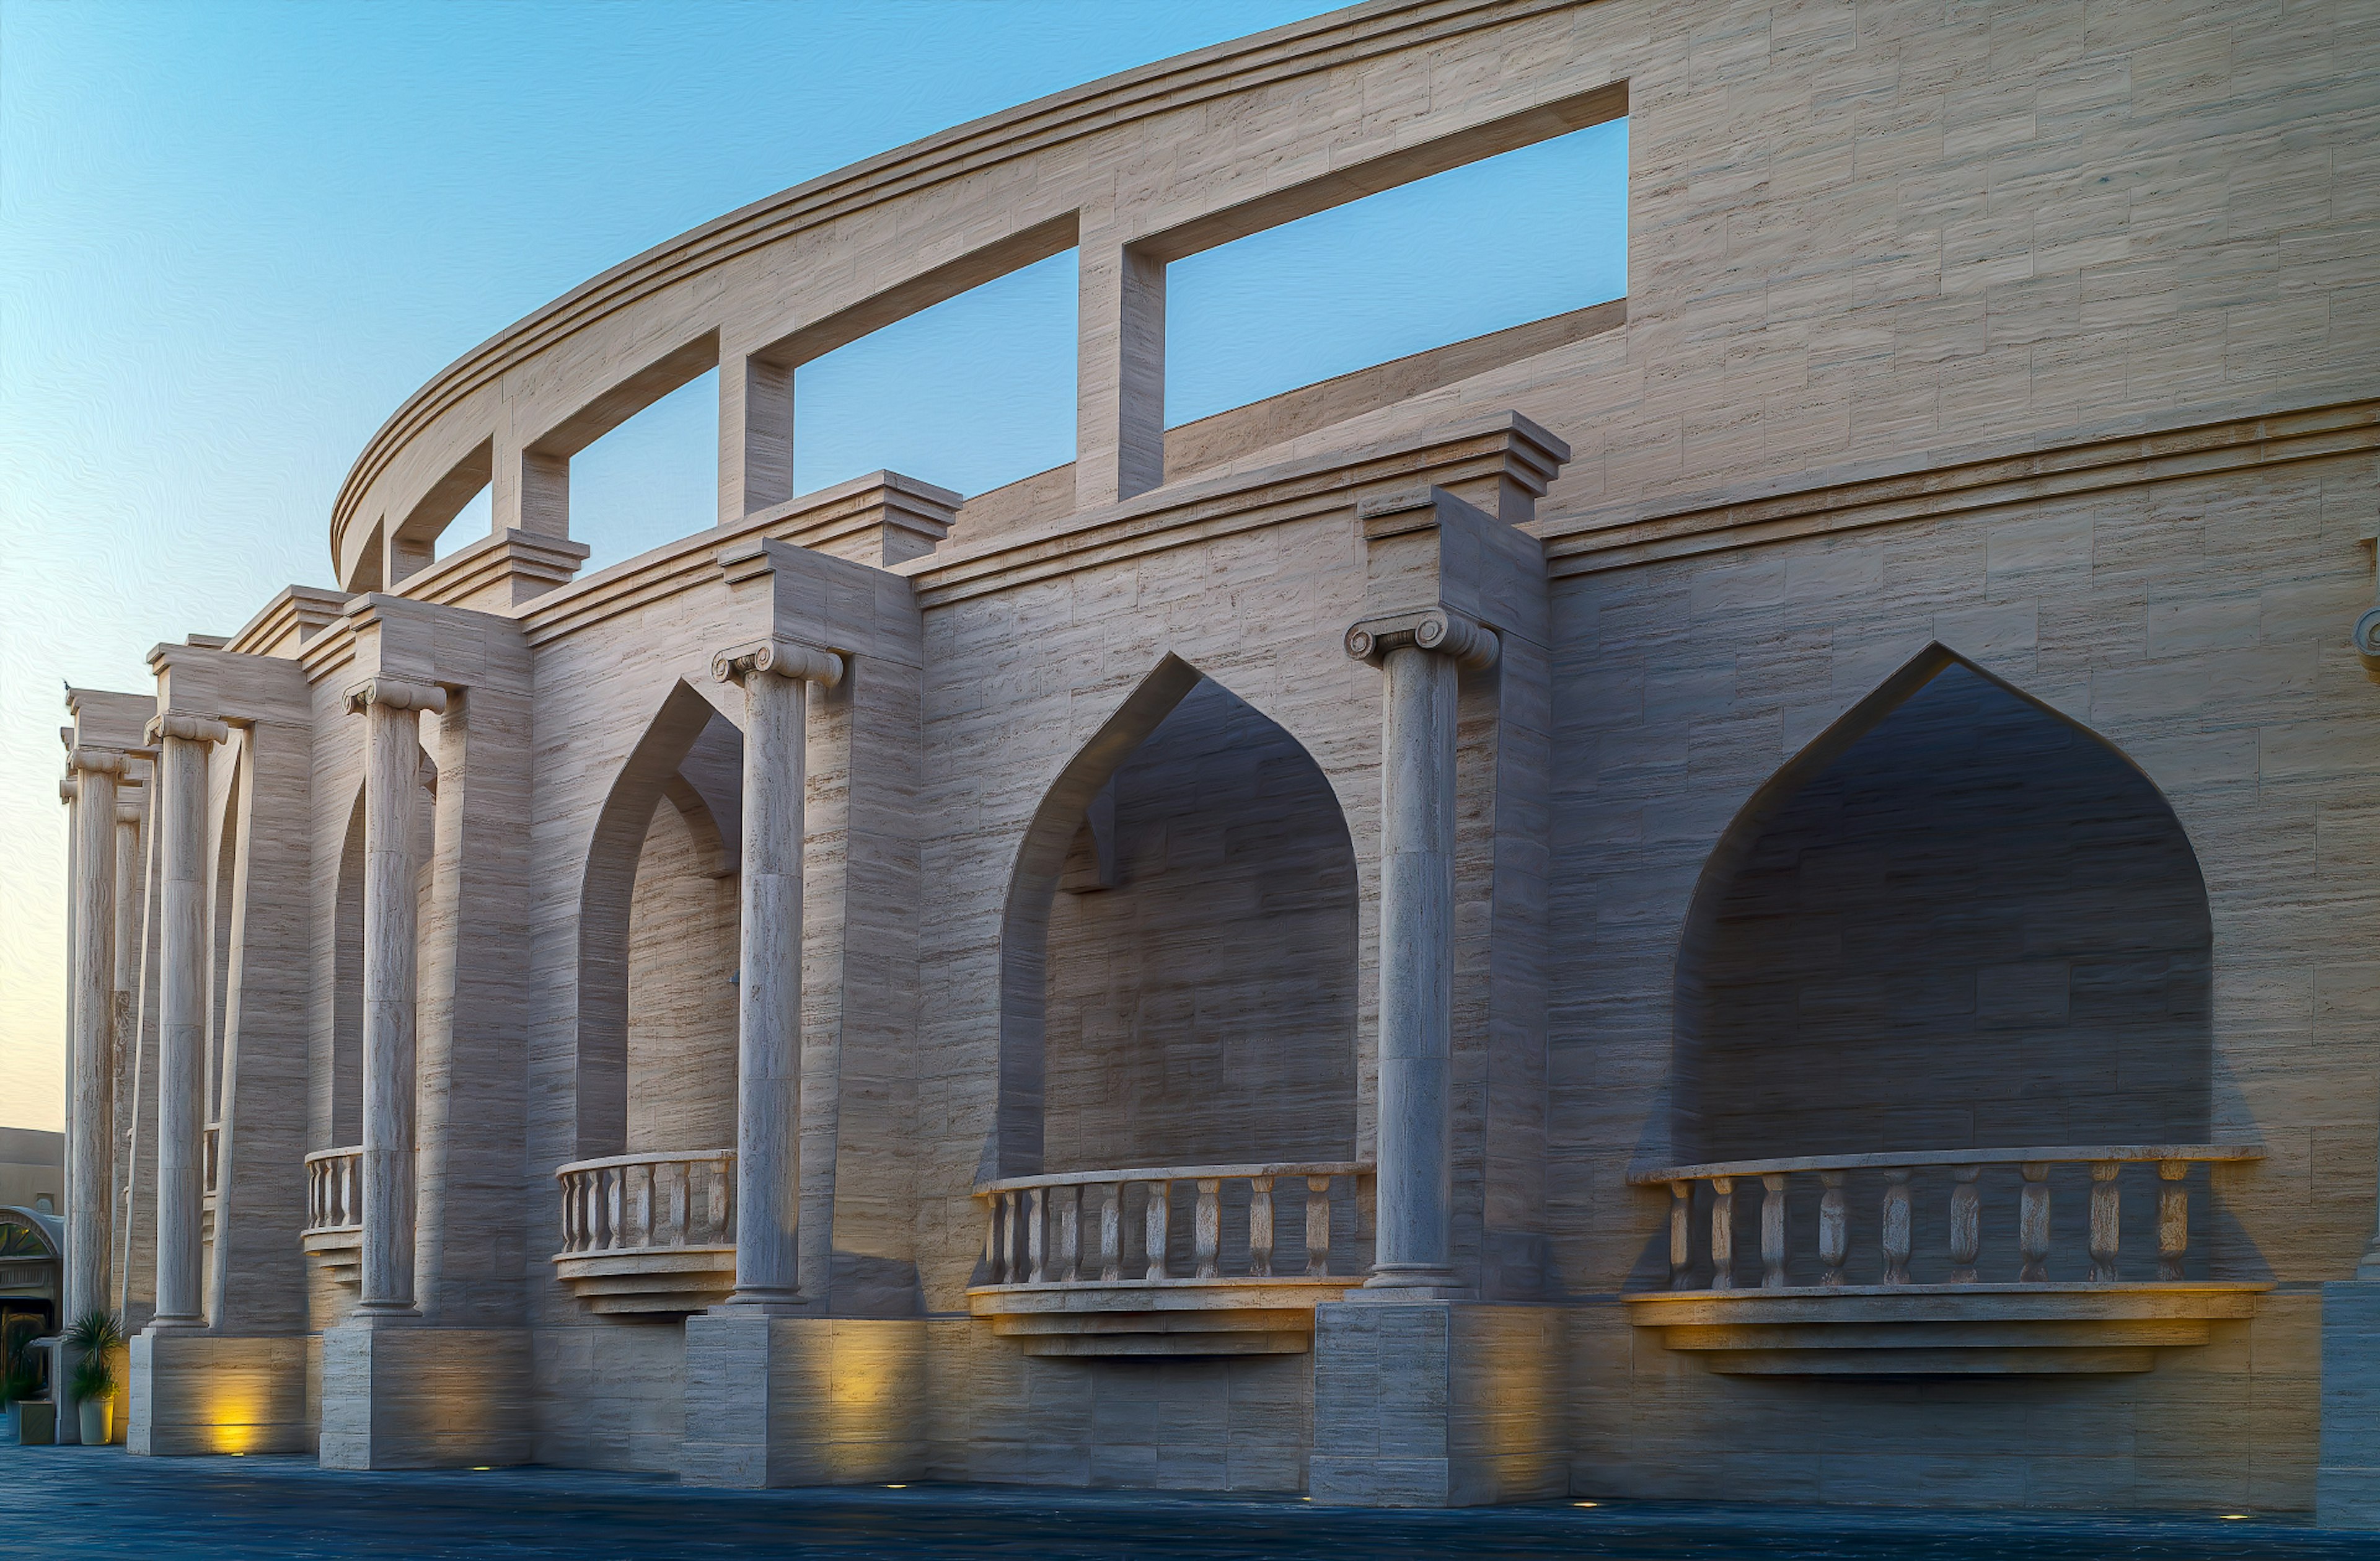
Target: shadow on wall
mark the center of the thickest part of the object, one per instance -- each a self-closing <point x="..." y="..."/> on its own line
<point x="1201" y="955"/>
<point x="1959" y="919"/>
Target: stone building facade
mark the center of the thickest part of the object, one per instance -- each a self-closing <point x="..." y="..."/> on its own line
<point x="1757" y="890"/>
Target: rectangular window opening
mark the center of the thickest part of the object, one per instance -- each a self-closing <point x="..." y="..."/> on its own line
<point x="650" y="479"/>
<point x="1510" y="240"/>
<point x="968" y="393"/>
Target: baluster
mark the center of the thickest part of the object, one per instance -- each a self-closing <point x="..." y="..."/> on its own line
<point x="1722" y="1233"/>
<point x="1112" y="1234"/>
<point x="1318" y="1227"/>
<point x="1772" y="1233"/>
<point x="1682" y="1245"/>
<point x="644" y="1215"/>
<point x="1037" y="1233"/>
<point x="616" y="1198"/>
<point x="1013" y="1204"/>
<point x="2032" y="1224"/>
<point x="1966" y="1223"/>
<point x="991" y="1270"/>
<point x="1206" y="1228"/>
<point x="714" y="1203"/>
<point x="351" y="1192"/>
<point x="1896" y="1227"/>
<point x="1153" y="1229"/>
<point x="1834" y="1227"/>
<point x="1160" y="1205"/>
<point x="681" y="1185"/>
<point x="1070" y="1234"/>
<point x="726" y="1185"/>
<point x="2107" y="1213"/>
<point x="2173" y="1217"/>
<point x="569" y="1226"/>
<point x="1260" y="1227"/>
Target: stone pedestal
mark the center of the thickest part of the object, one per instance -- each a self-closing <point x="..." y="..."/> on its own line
<point x="398" y="1396"/>
<point x="194" y="1393"/>
<point x="2346" y="1479"/>
<point x="773" y="1400"/>
<point x="1437" y="1404"/>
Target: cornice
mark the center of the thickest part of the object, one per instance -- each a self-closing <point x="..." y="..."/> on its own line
<point x="1504" y="446"/>
<point x="1627" y="536"/>
<point x="880" y="497"/>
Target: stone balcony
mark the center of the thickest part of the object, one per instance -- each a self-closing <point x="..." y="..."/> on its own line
<point x="1063" y="1276"/>
<point x="334" y="1211"/>
<point x="652" y="1234"/>
<point x="1939" y="1314"/>
<point x="210" y="1175"/>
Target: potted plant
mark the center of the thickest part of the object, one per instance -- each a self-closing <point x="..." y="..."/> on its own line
<point x="97" y="1336"/>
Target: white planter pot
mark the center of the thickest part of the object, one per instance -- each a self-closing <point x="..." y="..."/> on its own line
<point x="98" y="1417"/>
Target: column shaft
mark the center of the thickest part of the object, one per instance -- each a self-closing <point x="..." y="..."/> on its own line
<point x="181" y="813"/>
<point x="1416" y="968"/>
<point x="768" y="1040"/>
<point x="125" y="1040"/>
<point x="89" y="1156"/>
<point x="392" y="763"/>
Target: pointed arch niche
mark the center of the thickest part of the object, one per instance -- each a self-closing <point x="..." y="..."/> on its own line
<point x="1959" y="919"/>
<point x="1179" y="955"/>
<point x="658" y="929"/>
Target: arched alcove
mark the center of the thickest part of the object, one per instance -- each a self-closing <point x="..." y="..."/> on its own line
<point x="347" y="986"/>
<point x="1179" y="957"/>
<point x="1959" y="919"/>
<point x="657" y="937"/>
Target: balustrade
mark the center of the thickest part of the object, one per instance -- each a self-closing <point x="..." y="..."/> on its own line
<point x="1035" y="1227"/>
<point x="335" y="1210"/>
<point x="1899" y="1204"/>
<point x="643" y="1202"/>
<point x="335" y="1187"/>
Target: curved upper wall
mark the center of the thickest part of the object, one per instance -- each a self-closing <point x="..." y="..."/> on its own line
<point x="1863" y="239"/>
<point x="1141" y="168"/>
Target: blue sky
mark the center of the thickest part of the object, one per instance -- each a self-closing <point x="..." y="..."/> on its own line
<point x="234" y="238"/>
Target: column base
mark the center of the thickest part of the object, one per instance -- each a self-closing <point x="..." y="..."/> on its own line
<point x="1414" y="1283"/>
<point x="400" y="1394"/>
<point x="2347" y="1475"/>
<point x="1435" y="1402"/>
<point x="193" y="1393"/>
<point x="776" y="1400"/>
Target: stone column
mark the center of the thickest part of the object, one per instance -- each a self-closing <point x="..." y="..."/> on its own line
<point x="89" y="1153"/>
<point x="1419" y="656"/>
<point x="125" y="1038"/>
<point x="181" y="814"/>
<point x="774" y="673"/>
<point x="391" y="710"/>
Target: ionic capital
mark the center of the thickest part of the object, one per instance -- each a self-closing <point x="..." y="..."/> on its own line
<point x="785" y="658"/>
<point x="1472" y="644"/>
<point x="99" y="761"/>
<point x="397" y="694"/>
<point x="187" y="728"/>
<point x="127" y="812"/>
<point x="70" y="787"/>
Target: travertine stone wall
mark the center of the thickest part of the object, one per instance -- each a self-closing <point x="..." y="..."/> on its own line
<point x="681" y="941"/>
<point x="1202" y="1011"/>
<point x="2034" y="333"/>
<point x="2195" y="625"/>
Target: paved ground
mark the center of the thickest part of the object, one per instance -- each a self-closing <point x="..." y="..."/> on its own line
<point x="69" y="1502"/>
